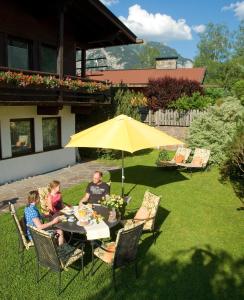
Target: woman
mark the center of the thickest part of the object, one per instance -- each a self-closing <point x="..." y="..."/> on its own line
<point x="34" y="218"/>
<point x="54" y="197"/>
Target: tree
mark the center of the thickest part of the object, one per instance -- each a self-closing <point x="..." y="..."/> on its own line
<point x="123" y="104"/>
<point x="163" y="91"/>
<point x="216" y="128"/>
<point x="214" y="49"/>
<point x="214" y="45"/>
<point x="230" y="72"/>
<point x="233" y="167"/>
<point x="239" y="41"/>
<point x="147" y="57"/>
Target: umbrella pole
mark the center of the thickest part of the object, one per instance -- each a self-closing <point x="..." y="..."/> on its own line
<point x="122" y="174"/>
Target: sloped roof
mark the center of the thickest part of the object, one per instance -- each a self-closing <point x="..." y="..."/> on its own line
<point x="91" y="22"/>
<point x="141" y="77"/>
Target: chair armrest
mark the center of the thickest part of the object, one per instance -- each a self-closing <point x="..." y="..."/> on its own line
<point x="146" y="219"/>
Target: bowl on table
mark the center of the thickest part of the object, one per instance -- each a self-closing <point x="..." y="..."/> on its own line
<point x="67" y="211"/>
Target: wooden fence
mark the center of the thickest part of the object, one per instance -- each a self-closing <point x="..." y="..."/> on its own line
<point x="169" y="117"/>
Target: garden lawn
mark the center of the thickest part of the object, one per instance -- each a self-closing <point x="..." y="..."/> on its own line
<point x="198" y="253"/>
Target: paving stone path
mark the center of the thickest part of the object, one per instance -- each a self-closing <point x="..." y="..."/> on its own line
<point x="16" y="191"/>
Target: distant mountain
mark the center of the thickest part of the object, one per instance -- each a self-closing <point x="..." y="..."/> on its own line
<point x="127" y="57"/>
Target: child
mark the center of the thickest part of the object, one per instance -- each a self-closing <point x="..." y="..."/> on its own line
<point x="34" y="218"/>
<point x="54" y="197"/>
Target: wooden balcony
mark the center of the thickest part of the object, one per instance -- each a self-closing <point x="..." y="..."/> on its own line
<point x="12" y="93"/>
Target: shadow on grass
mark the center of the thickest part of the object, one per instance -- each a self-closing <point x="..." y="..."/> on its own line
<point x="162" y="215"/>
<point x="147" y="175"/>
<point x="238" y="187"/>
<point x="4" y="203"/>
<point x="206" y="274"/>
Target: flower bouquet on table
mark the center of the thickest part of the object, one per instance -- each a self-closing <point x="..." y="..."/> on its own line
<point x="115" y="203"/>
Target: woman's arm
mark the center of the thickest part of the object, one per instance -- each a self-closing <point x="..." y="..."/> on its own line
<point x="40" y="225"/>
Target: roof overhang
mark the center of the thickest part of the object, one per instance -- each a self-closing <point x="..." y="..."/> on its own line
<point x="92" y="23"/>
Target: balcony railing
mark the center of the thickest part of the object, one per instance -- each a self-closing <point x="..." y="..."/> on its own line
<point x="21" y="87"/>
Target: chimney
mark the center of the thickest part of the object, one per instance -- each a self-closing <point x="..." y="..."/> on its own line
<point x="166" y="63"/>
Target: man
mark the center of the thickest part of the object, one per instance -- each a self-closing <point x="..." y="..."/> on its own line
<point x="96" y="189"/>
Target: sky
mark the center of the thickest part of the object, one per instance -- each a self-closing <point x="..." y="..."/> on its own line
<point x="176" y="23"/>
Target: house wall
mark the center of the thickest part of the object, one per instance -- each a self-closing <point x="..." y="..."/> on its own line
<point x="39" y="162"/>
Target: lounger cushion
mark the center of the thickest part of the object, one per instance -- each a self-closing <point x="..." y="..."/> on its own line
<point x="142" y="213"/>
<point x="179" y="158"/>
<point x="197" y="161"/>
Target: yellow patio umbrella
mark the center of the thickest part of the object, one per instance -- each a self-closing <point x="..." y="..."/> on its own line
<point x="122" y="133"/>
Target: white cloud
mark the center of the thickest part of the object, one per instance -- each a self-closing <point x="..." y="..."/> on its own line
<point x="159" y="27"/>
<point x="199" y="28"/>
<point x="109" y="2"/>
<point x="237" y="7"/>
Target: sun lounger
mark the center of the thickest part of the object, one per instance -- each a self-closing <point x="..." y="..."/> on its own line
<point x="181" y="156"/>
<point x="199" y="161"/>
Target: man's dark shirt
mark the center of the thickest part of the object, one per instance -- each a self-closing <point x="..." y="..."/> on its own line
<point x="97" y="191"/>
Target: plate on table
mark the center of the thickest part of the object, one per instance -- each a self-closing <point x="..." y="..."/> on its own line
<point x="82" y="223"/>
<point x="67" y="211"/>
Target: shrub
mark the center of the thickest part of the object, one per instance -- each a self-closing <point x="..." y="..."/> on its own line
<point x="124" y="103"/>
<point x="215" y="129"/>
<point x="215" y="93"/>
<point x="238" y="90"/>
<point x="160" y="92"/>
<point x="233" y="167"/>
<point x="196" y="101"/>
<point x="163" y="156"/>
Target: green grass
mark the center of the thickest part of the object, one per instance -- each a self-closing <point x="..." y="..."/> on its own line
<point x="198" y="253"/>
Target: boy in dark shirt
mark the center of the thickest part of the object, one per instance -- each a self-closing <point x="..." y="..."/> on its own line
<point x="96" y="189"/>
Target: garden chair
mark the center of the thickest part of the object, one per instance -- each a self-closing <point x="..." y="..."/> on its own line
<point x="199" y="161"/>
<point x="181" y="156"/>
<point x="123" y="251"/>
<point x="146" y="213"/>
<point x="24" y="243"/>
<point x="56" y="258"/>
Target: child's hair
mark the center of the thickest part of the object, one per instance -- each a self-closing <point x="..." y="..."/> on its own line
<point x="53" y="184"/>
<point x="33" y="196"/>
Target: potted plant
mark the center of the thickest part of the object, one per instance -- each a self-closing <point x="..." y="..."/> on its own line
<point x="114" y="203"/>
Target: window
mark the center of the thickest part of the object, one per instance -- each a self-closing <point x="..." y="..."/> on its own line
<point x="22" y="136"/>
<point x="18" y="54"/>
<point x="48" y="61"/>
<point x="78" y="62"/>
<point x="51" y="130"/>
